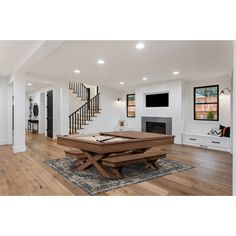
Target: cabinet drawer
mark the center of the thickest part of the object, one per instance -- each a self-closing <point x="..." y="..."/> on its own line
<point x="218" y="142"/>
<point x="193" y="139"/>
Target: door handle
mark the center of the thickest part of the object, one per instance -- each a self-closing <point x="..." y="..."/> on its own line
<point x="215" y="142"/>
<point x="193" y="139"/>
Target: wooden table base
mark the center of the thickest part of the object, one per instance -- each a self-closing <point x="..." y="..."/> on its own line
<point x="94" y="159"/>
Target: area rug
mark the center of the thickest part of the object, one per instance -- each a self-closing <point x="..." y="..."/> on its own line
<point x="92" y="182"/>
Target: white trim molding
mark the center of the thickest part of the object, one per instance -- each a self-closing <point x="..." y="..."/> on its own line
<point x="17" y="149"/>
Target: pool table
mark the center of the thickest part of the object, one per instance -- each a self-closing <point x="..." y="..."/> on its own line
<point x="99" y="146"/>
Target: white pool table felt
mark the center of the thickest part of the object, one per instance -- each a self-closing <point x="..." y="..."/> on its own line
<point x="100" y="138"/>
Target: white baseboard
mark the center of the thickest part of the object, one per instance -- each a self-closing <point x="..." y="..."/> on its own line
<point x="17" y="149"/>
<point x="3" y="142"/>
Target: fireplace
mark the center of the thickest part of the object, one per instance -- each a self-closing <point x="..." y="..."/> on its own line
<point x="161" y="125"/>
<point x="156" y="127"/>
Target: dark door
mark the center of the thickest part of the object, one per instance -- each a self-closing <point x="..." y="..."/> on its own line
<point x="50" y="113"/>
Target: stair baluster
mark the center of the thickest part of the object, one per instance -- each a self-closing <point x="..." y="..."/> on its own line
<point x="80" y="117"/>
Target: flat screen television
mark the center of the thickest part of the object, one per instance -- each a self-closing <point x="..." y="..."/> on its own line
<point x="157" y="100"/>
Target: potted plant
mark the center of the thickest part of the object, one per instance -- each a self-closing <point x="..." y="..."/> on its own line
<point x="210" y="115"/>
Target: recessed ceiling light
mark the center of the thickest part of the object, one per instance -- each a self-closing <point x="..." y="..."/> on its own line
<point x="29" y="84"/>
<point x="100" y="61"/>
<point x="144" y="78"/>
<point x="140" y="45"/>
<point x="175" y="73"/>
<point x="76" y="71"/>
<point x="122" y="83"/>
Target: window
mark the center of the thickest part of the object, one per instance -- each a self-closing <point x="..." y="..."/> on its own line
<point x="206" y="103"/>
<point x="130" y="105"/>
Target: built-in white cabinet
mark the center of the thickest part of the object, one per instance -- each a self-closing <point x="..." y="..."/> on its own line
<point x="207" y="141"/>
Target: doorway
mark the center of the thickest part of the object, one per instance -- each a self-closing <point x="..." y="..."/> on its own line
<point x="42" y="112"/>
<point x="50" y="113"/>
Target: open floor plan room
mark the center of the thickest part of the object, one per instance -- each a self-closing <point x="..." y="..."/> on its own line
<point x="106" y="118"/>
<point x="28" y="174"/>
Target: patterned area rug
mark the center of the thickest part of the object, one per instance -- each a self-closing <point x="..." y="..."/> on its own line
<point x="92" y="182"/>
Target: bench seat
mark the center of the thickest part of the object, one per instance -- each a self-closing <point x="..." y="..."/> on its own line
<point x="77" y="153"/>
<point x="148" y="158"/>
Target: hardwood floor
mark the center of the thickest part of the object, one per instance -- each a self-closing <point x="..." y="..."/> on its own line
<point x="27" y="174"/>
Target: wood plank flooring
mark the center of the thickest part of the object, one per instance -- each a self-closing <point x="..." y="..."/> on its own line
<point x="27" y="174"/>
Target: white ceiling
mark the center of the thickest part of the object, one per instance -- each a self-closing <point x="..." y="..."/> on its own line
<point x="194" y="60"/>
<point x="35" y="86"/>
<point x="13" y="53"/>
<point x="123" y="62"/>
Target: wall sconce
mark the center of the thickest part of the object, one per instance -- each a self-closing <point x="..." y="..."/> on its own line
<point x="119" y="99"/>
<point x="225" y="90"/>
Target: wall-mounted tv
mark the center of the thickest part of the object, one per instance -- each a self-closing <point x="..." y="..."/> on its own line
<point x="157" y="100"/>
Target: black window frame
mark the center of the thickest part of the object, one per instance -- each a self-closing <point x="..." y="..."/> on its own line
<point x="127" y="102"/>
<point x="194" y="102"/>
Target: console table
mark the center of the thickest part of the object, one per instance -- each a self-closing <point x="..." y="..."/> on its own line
<point x="31" y="126"/>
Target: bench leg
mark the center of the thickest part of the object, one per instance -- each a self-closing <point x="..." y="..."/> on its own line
<point x="152" y="165"/>
<point x="95" y="161"/>
<point x="117" y="172"/>
<point x="78" y="163"/>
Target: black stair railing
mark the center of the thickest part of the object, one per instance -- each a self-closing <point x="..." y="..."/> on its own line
<point x="80" y="89"/>
<point x="80" y="117"/>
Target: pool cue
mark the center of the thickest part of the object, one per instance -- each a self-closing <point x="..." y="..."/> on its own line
<point x="104" y="140"/>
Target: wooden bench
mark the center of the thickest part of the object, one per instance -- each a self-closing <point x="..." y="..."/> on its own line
<point x="78" y="154"/>
<point x="148" y="158"/>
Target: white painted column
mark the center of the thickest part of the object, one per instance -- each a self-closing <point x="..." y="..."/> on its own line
<point x="3" y="112"/>
<point x="64" y="110"/>
<point x="234" y="119"/>
<point x="42" y="114"/>
<point x="9" y="112"/>
<point x="19" y="115"/>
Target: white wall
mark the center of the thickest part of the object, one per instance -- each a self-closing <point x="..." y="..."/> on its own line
<point x="234" y="119"/>
<point x="3" y="111"/>
<point x="174" y="88"/>
<point x="111" y="113"/>
<point x="74" y="102"/>
<point x="93" y="90"/>
<point x="203" y="127"/>
<point x="60" y="95"/>
<point x="63" y="111"/>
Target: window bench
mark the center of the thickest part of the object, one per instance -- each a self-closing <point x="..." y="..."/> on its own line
<point x="207" y="141"/>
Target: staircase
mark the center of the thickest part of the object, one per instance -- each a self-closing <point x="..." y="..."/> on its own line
<point x="80" y="90"/>
<point x="86" y="112"/>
